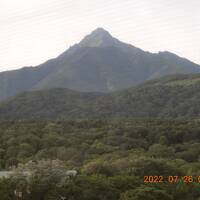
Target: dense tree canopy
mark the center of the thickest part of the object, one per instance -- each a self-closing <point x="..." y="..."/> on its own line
<point x="111" y="158"/>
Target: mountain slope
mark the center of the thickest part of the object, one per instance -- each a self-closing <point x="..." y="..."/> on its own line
<point x="99" y="63"/>
<point x="175" y="96"/>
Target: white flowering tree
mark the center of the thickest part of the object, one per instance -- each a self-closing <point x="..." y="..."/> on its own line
<point x="34" y="180"/>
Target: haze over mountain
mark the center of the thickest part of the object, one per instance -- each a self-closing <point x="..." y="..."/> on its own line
<point x="175" y="96"/>
<point x="99" y="63"/>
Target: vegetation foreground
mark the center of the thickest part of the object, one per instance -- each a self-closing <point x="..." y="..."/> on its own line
<point x="111" y="158"/>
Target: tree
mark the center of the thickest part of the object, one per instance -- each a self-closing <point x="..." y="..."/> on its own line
<point x="38" y="178"/>
<point x="145" y="193"/>
<point x="6" y="190"/>
<point x="161" y="151"/>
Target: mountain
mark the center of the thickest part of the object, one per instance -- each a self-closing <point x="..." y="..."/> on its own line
<point x="99" y="63"/>
<point x="175" y="96"/>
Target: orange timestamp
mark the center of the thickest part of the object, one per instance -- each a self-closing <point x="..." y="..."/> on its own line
<point x="171" y="179"/>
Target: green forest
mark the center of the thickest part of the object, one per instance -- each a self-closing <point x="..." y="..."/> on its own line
<point x="111" y="158"/>
<point x="175" y="96"/>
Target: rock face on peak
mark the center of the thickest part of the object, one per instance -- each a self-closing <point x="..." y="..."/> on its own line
<point x="98" y="38"/>
<point x="99" y="63"/>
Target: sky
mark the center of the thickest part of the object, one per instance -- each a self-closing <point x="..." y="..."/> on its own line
<point x="33" y="31"/>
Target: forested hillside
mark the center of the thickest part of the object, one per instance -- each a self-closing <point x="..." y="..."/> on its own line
<point x="175" y="96"/>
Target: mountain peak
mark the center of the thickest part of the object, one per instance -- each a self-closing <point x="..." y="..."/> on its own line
<point x="101" y="31"/>
<point x="98" y="37"/>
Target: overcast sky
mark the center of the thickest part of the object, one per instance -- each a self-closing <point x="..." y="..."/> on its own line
<point x="33" y="31"/>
